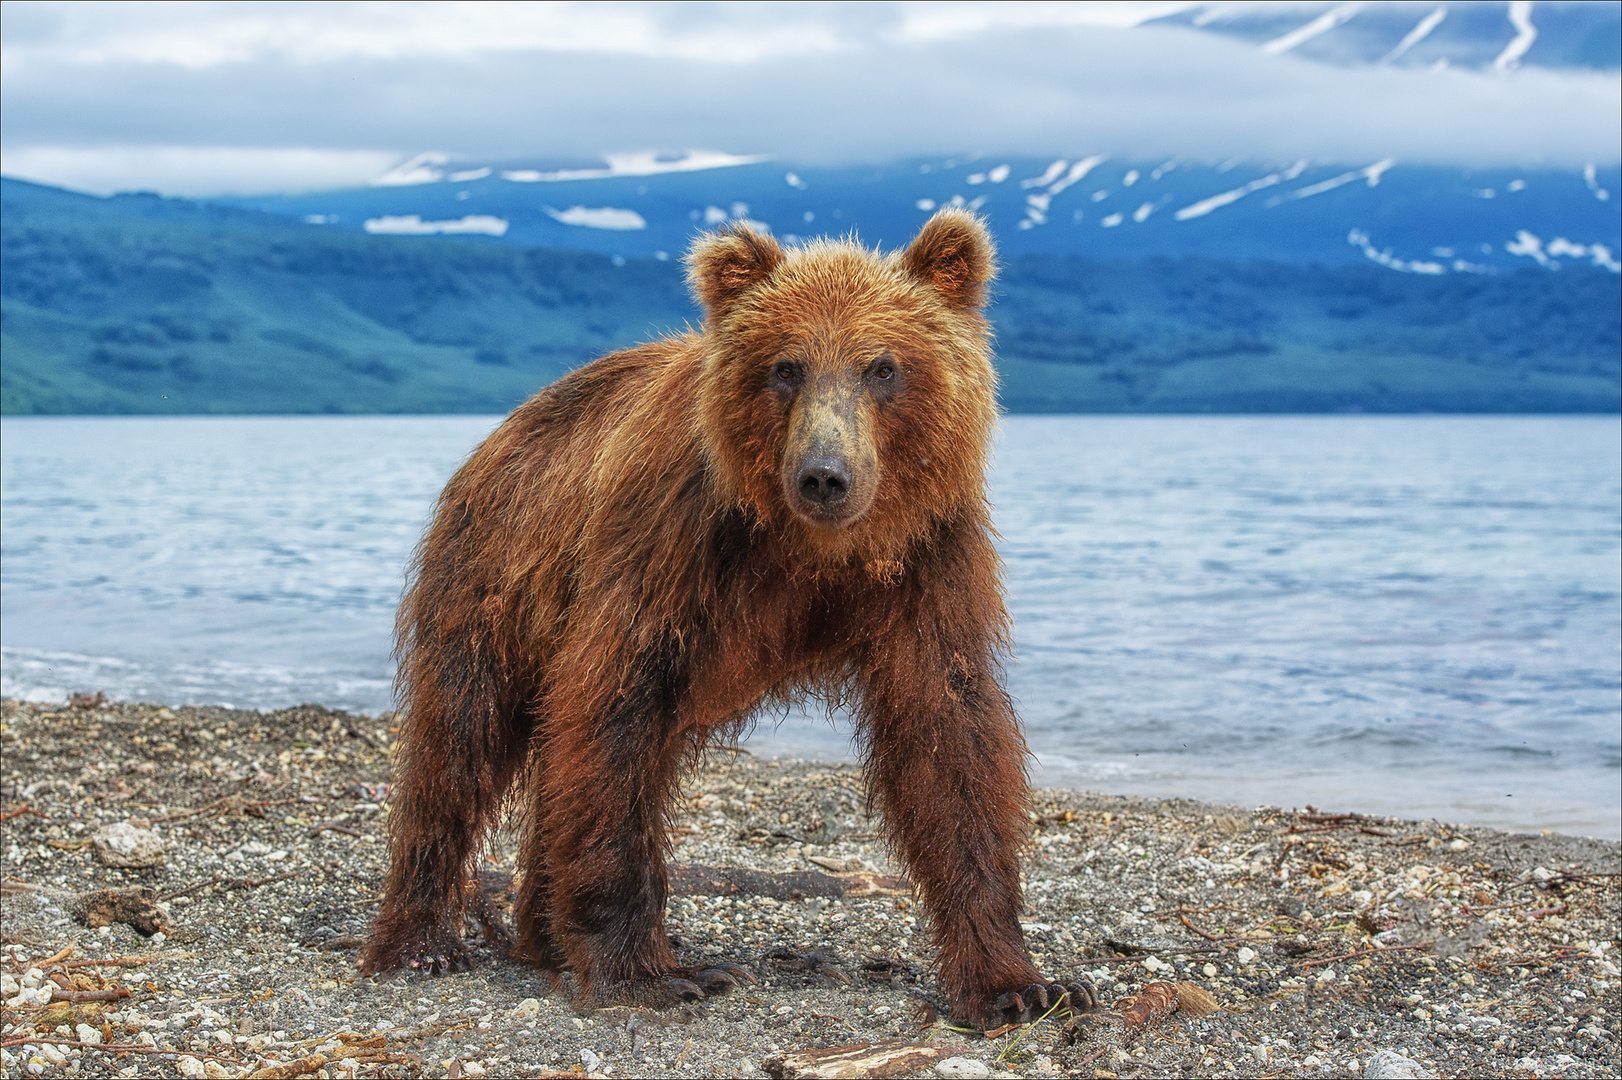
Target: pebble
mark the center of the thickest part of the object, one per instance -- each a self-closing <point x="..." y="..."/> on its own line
<point x="1245" y="955"/>
<point x="88" y="1034"/>
<point x="472" y="1068"/>
<point x="528" y="1007"/>
<point x="962" y="1068"/>
<point x="1390" y="1065"/>
<point x="190" y="1067"/>
<point x="31" y="995"/>
<point x="122" y="844"/>
<point x="590" y="1060"/>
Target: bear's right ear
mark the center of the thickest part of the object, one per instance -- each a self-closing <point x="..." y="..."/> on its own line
<point x="723" y="266"/>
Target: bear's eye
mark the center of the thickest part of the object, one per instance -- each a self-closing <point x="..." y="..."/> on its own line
<point x="885" y="370"/>
<point x="786" y="374"/>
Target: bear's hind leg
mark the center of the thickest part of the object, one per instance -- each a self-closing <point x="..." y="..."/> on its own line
<point x="532" y="909"/>
<point x="456" y="757"/>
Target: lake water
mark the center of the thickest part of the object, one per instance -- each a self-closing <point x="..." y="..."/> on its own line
<point x="1409" y="615"/>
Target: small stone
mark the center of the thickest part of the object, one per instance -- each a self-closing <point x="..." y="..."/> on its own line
<point x="9" y="986"/>
<point x="383" y="1025"/>
<point x="590" y="1060"/>
<point x="39" y="995"/>
<point x="962" y="1068"/>
<point x="122" y="844"/>
<point x="190" y="1067"/>
<point x="528" y="1007"/>
<point x="1390" y="1065"/>
<point x="472" y="1068"/>
<point x="1458" y="845"/>
<point x="1210" y="971"/>
<point x="1246" y="954"/>
<point x="215" y="1071"/>
<point x="88" y="1034"/>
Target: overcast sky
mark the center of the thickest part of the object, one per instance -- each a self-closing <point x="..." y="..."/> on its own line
<point x="213" y="98"/>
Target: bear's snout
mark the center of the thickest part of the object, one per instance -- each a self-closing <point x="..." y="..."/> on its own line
<point x="824" y="480"/>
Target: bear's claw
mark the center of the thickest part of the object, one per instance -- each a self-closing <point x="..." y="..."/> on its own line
<point x="812" y="963"/>
<point x="683" y="986"/>
<point x="1028" y="1005"/>
<point x="683" y="990"/>
<point x="721" y="978"/>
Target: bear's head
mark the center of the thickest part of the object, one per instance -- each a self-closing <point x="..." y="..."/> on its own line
<point x="848" y="396"/>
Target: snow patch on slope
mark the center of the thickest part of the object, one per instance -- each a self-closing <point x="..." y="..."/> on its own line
<point x="1419" y="33"/>
<point x="1372" y="174"/>
<point x="1216" y="202"/>
<point x="1359" y="238"/>
<point x="413" y="225"/>
<point x="601" y="217"/>
<point x="425" y="168"/>
<point x="1591" y="178"/>
<point x="1047" y="177"/>
<point x="639" y="163"/>
<point x="1520" y="17"/>
<point x="1531" y="246"/>
<point x="1321" y="25"/>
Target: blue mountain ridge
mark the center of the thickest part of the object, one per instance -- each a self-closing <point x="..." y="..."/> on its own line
<point x="1414" y="218"/>
<point x="141" y="304"/>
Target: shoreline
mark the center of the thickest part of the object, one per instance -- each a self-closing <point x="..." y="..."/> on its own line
<point x="1325" y="939"/>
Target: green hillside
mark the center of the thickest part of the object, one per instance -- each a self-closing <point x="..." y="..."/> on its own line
<point x="145" y="305"/>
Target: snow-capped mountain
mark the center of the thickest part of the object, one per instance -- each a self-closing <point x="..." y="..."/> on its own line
<point x="1414" y="218"/>
<point x="1496" y="36"/>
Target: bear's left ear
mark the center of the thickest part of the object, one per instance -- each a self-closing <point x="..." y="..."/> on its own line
<point x="954" y="253"/>
<point x="723" y="266"/>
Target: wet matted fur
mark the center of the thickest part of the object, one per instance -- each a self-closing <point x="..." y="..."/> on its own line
<point x="789" y="501"/>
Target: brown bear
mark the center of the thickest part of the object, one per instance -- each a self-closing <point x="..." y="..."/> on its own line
<point x="790" y="501"/>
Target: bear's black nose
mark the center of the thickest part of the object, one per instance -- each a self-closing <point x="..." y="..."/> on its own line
<point x="824" y="481"/>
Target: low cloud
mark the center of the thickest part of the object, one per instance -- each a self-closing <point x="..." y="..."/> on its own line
<point x="196" y="170"/>
<point x="858" y="92"/>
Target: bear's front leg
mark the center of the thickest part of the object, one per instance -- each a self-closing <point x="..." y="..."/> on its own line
<point x="610" y="776"/>
<point x="946" y="765"/>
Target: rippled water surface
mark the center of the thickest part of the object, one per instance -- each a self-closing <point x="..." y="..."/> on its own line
<point x="1414" y="615"/>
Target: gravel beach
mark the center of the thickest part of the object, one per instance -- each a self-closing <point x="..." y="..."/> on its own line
<point x="184" y="890"/>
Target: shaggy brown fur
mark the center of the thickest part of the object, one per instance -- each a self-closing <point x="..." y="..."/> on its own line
<point x="791" y="501"/>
